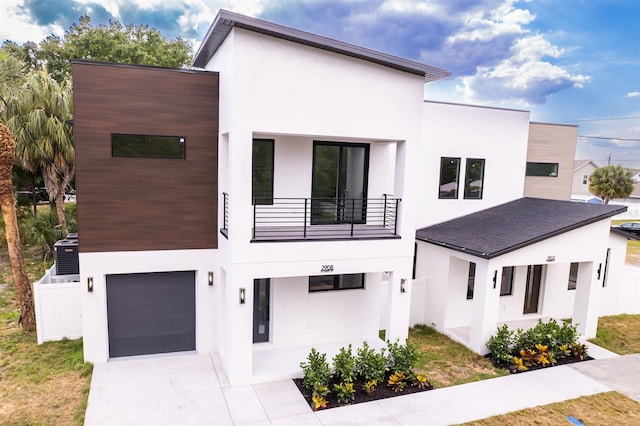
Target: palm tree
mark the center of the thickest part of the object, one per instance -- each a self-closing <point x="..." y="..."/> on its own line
<point x="43" y="137"/>
<point x="611" y="182"/>
<point x="11" y="72"/>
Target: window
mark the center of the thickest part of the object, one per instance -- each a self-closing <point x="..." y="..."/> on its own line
<point x="542" y="169"/>
<point x="335" y="282"/>
<point x="262" y="171"/>
<point x="147" y="146"/>
<point x="585" y="179"/>
<point x="506" y="285"/>
<point x="606" y="268"/>
<point x="449" y="177"/>
<point x="474" y="177"/>
<point x="471" y="280"/>
<point x="573" y="276"/>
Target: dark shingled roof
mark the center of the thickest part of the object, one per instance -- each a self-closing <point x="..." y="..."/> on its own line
<point x="502" y="229"/>
<point x="225" y="21"/>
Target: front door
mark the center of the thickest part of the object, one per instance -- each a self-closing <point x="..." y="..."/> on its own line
<point x="532" y="292"/>
<point x="339" y="182"/>
<point x="261" y="290"/>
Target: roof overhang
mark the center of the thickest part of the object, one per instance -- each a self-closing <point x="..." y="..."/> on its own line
<point x="625" y="234"/>
<point x="225" y="21"/>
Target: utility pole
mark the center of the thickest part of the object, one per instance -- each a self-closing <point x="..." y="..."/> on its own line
<point x="609" y="160"/>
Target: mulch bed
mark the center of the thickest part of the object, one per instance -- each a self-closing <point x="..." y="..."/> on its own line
<point x="382" y="392"/>
<point x="562" y="361"/>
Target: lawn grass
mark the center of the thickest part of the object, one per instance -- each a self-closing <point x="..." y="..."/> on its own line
<point x="39" y="384"/>
<point x="619" y="334"/>
<point x="633" y="247"/>
<point x="447" y="363"/>
<point x="609" y="408"/>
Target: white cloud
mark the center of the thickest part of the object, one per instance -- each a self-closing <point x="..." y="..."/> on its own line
<point x="15" y="26"/>
<point x="633" y="94"/>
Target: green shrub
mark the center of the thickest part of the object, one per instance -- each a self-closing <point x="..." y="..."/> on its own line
<point x="344" y="365"/>
<point x="345" y="392"/>
<point x="42" y="231"/>
<point x="402" y="358"/>
<point x="371" y="365"/>
<point x="501" y="345"/>
<point x="316" y="370"/>
<point x="71" y="216"/>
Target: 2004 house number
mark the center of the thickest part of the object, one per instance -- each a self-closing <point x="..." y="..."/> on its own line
<point x="326" y="268"/>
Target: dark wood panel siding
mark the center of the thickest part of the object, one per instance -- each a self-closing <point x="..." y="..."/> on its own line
<point x="145" y="203"/>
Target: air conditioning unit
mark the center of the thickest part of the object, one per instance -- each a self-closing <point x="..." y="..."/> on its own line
<point x="66" y="255"/>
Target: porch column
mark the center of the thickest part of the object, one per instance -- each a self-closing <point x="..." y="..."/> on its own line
<point x="587" y="302"/>
<point x="237" y="355"/>
<point x="399" y="306"/>
<point x="484" y="314"/>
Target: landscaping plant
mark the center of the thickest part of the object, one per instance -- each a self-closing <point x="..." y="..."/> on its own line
<point x="344" y="365"/>
<point x="316" y="370"/>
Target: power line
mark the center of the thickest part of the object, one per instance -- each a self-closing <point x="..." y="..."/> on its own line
<point x="610" y="138"/>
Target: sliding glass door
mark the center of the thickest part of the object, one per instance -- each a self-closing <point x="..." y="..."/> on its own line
<point x="339" y="183"/>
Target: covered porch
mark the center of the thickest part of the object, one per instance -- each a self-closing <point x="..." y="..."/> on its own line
<point x="502" y="271"/>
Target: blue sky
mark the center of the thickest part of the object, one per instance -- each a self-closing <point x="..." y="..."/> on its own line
<point x="567" y="61"/>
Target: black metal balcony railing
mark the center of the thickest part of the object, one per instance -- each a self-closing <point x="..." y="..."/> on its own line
<point x="225" y="215"/>
<point x="291" y="219"/>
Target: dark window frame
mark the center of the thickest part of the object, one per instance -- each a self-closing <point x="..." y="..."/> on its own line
<point x="336" y="281"/>
<point x="508" y="272"/>
<point x="471" y="280"/>
<point x="606" y="268"/>
<point x="454" y="194"/>
<point x="117" y="139"/>
<point x="268" y="199"/>
<point x="537" y="169"/>
<point x="585" y="179"/>
<point x="468" y="194"/>
<point x="573" y="276"/>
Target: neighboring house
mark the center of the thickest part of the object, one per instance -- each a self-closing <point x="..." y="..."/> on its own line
<point x="582" y="169"/>
<point x="270" y="204"/>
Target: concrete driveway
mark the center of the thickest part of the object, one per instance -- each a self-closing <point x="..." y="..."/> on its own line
<point x="620" y="373"/>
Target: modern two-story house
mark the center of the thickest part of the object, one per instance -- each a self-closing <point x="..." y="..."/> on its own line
<point x="268" y="202"/>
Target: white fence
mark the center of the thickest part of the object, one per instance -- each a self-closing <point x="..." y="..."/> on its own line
<point x="58" y="307"/>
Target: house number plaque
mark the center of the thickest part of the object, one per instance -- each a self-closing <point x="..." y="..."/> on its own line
<point x="326" y="268"/>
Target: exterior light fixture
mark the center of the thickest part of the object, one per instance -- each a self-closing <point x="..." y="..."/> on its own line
<point x="90" y="284"/>
<point x="403" y="285"/>
<point x="495" y="278"/>
<point x="210" y="277"/>
<point x="242" y="296"/>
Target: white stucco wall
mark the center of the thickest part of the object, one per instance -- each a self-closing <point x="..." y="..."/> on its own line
<point x="94" y="304"/>
<point x="296" y="94"/>
<point x="464" y="131"/>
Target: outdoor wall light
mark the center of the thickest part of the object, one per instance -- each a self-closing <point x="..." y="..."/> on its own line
<point x="403" y="285"/>
<point x="495" y="278"/>
<point x="90" y="284"/>
<point x="210" y="278"/>
<point x="242" y="296"/>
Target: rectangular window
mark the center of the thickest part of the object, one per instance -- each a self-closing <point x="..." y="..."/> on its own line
<point x="573" y="276"/>
<point x="506" y="285"/>
<point x="262" y="171"/>
<point x="471" y="280"/>
<point x="147" y="146"/>
<point x="542" y="169"/>
<point x="474" y="178"/>
<point x="606" y="268"/>
<point x="335" y="282"/>
<point x="585" y="179"/>
<point x="449" y="177"/>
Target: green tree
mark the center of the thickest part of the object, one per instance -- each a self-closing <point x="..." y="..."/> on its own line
<point x="131" y="44"/>
<point x="12" y="72"/>
<point x="44" y="140"/>
<point x="611" y="182"/>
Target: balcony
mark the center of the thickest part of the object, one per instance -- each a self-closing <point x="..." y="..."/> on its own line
<point x="313" y="219"/>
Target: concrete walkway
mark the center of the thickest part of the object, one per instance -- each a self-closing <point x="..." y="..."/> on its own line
<point x="188" y="389"/>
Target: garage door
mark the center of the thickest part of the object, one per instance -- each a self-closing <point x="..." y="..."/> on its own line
<point x="151" y="313"/>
